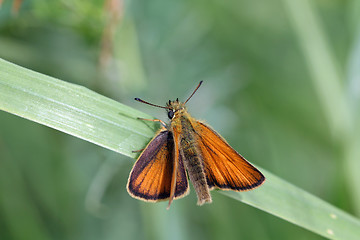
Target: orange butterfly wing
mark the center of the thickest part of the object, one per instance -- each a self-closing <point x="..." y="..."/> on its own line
<point x="150" y="178"/>
<point x="224" y="167"/>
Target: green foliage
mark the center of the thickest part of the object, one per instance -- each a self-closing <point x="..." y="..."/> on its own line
<point x="80" y="112"/>
<point x="72" y="109"/>
<point x="281" y="85"/>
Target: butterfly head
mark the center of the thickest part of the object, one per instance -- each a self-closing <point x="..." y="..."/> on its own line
<point x="173" y="107"/>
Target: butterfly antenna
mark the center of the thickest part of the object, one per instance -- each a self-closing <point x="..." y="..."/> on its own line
<point x="154" y="105"/>
<point x="194" y="91"/>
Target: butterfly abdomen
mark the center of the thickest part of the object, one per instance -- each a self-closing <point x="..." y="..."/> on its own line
<point x="193" y="162"/>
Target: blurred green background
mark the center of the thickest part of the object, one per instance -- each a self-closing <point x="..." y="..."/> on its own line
<point x="260" y="92"/>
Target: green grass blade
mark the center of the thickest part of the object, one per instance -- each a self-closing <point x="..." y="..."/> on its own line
<point x="321" y="63"/>
<point x="72" y="109"/>
<point x="289" y="202"/>
<point x="336" y="102"/>
<point x="95" y="118"/>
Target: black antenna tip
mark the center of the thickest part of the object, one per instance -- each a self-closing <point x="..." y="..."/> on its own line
<point x="137" y="99"/>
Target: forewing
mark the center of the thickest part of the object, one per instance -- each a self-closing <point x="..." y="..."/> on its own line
<point x="224" y="167"/>
<point x="150" y="178"/>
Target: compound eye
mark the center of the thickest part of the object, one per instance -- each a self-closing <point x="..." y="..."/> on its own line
<point x="170" y="114"/>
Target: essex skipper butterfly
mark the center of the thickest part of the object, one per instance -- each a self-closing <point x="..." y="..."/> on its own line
<point x="188" y="147"/>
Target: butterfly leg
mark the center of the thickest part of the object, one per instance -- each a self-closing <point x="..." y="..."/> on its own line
<point x="140" y="150"/>
<point x="154" y="120"/>
<point x="151" y="120"/>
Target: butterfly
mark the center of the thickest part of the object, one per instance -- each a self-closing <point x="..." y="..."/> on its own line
<point x="188" y="149"/>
